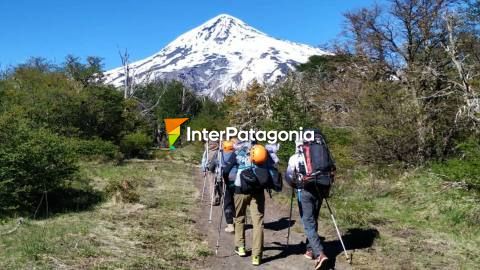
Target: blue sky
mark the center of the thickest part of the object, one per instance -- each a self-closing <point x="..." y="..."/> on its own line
<point x="54" y="28"/>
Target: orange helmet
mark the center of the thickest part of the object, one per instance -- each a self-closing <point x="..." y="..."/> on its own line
<point x="258" y="154"/>
<point x="228" y="146"/>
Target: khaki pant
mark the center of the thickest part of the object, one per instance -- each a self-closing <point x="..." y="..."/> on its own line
<point x="257" y="209"/>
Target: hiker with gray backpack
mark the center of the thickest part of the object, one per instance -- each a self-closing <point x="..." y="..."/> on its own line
<point x="219" y="163"/>
<point x="208" y="167"/>
<point x="311" y="171"/>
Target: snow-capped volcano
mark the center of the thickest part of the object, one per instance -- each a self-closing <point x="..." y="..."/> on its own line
<point x="223" y="53"/>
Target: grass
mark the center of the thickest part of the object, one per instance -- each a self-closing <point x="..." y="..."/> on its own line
<point x="426" y="218"/>
<point x="422" y="222"/>
<point x="155" y="232"/>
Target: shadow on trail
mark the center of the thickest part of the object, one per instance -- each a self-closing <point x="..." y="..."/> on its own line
<point x="292" y="249"/>
<point x="279" y="225"/>
<point x="355" y="238"/>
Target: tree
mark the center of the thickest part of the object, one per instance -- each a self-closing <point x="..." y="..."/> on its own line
<point x="212" y="116"/>
<point x="87" y="74"/>
<point x="406" y="43"/>
<point x="385" y="127"/>
<point x="462" y="47"/>
<point x="159" y="100"/>
<point x="250" y="108"/>
<point x="32" y="162"/>
<point x="100" y="113"/>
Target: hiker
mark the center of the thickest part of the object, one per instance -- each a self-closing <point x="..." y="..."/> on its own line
<point x="209" y="165"/>
<point x="311" y="171"/>
<point x="256" y="172"/>
<point x="229" y="174"/>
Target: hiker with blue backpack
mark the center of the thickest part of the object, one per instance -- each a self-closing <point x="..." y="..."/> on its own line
<point x="311" y="171"/>
<point x="256" y="172"/>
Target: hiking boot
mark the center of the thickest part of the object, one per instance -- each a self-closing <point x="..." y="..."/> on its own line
<point x="309" y="254"/>
<point x="240" y="251"/>
<point x="256" y="260"/>
<point x="230" y="228"/>
<point x="216" y="201"/>
<point x="321" y="261"/>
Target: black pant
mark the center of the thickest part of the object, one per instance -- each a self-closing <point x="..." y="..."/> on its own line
<point x="229" y="206"/>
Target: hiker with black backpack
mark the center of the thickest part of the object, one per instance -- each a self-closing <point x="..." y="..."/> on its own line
<point x="311" y="171"/>
<point x="256" y="172"/>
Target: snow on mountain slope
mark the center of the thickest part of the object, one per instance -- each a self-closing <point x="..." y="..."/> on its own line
<point x="223" y="53"/>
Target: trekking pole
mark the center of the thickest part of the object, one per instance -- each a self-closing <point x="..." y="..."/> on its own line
<point x="338" y="231"/>
<point x="290" y="216"/>
<point x="204" y="184"/>
<point x="221" y="219"/>
<point x="205" y="171"/>
<point x="212" y="195"/>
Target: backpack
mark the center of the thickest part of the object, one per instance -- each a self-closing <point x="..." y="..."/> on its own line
<point x="318" y="161"/>
<point x="261" y="177"/>
<point x="229" y="168"/>
<point x="212" y="156"/>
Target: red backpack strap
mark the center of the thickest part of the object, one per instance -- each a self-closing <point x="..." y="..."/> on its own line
<point x="308" y="159"/>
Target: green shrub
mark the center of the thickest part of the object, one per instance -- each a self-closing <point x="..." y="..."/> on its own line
<point x="385" y="125"/>
<point x="340" y="142"/>
<point x="211" y="117"/>
<point x="465" y="168"/>
<point x="31" y="162"/>
<point x="135" y="145"/>
<point x="95" y="149"/>
<point x="286" y="150"/>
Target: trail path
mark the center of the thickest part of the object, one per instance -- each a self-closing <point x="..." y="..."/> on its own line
<point x="276" y="254"/>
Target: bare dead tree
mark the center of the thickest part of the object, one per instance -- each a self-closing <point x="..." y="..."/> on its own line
<point x="183" y="99"/>
<point x="126" y="72"/>
<point x="466" y="73"/>
<point x="129" y="82"/>
<point x="404" y="41"/>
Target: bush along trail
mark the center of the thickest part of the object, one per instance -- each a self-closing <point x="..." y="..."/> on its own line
<point x="143" y="219"/>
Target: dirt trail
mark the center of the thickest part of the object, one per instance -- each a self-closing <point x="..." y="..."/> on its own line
<point x="276" y="255"/>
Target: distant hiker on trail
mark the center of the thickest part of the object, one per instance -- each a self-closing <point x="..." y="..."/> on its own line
<point x="229" y="165"/>
<point x="311" y="172"/>
<point x="256" y="172"/>
<point x="209" y="164"/>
